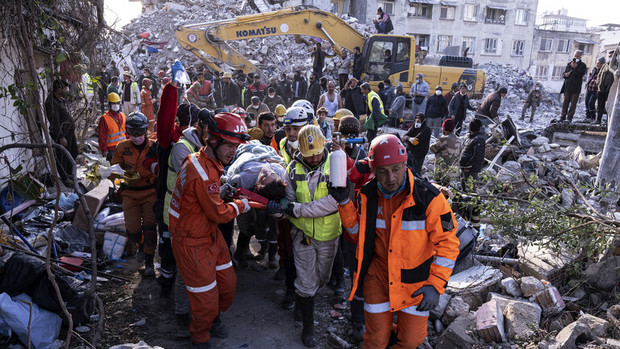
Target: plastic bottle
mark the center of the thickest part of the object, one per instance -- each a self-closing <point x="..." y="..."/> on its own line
<point x="338" y="168"/>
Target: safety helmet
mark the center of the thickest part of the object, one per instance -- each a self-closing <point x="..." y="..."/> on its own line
<point x="386" y="150"/>
<point x="114" y="98"/>
<point x="228" y="127"/>
<point x="280" y="110"/>
<point x="227" y="75"/>
<point x="240" y="111"/>
<point x="147" y="81"/>
<point x="539" y="83"/>
<point x="307" y="107"/>
<point x="137" y="124"/>
<point x="341" y="113"/>
<point x="349" y="125"/>
<point x="311" y="141"/>
<point x="296" y="116"/>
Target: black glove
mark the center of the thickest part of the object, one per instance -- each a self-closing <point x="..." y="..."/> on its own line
<point x="274" y="207"/>
<point x="340" y="194"/>
<point x="227" y="190"/>
<point x="430" y="297"/>
<point x="289" y="211"/>
<point x="109" y="154"/>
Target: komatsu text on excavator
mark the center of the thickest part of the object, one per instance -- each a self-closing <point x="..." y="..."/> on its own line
<point x="208" y="41"/>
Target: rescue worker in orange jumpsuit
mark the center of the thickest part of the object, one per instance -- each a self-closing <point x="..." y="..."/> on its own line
<point x="147" y="102"/>
<point x="407" y="246"/>
<point x="138" y="190"/>
<point x="196" y="209"/>
<point x="111" y="127"/>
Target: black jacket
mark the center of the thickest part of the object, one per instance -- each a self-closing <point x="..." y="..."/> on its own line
<point x="314" y="93"/>
<point x="302" y="88"/>
<point x="455" y="104"/>
<point x="283" y="89"/>
<point x="572" y="83"/>
<point x="472" y="157"/>
<point x="231" y="93"/>
<point x="490" y="105"/>
<point x="436" y="107"/>
<point x="358" y="66"/>
<point x="423" y="134"/>
<point x="354" y="100"/>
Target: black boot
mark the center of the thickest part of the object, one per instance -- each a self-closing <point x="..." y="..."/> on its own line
<point x="149" y="267"/>
<point x="297" y="315"/>
<point x="183" y="322"/>
<point x="307" y="311"/>
<point x="264" y="247"/>
<point x="289" y="300"/>
<point x="273" y="251"/>
<point x="243" y="246"/>
<point x="218" y="329"/>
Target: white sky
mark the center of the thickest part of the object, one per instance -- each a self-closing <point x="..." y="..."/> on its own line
<point x="595" y="11"/>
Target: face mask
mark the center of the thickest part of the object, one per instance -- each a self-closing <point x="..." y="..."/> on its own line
<point x="577" y="60"/>
<point x="438" y="93"/>
<point x="280" y="119"/>
<point x="271" y="95"/>
<point x="537" y="88"/>
<point x="252" y="123"/>
<point x="418" y="81"/>
<point x="418" y="124"/>
<point x="116" y="107"/>
<point x="138" y="140"/>
<point x="294" y="144"/>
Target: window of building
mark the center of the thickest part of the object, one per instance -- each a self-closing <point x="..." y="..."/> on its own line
<point x="443" y="41"/>
<point x="586" y="48"/>
<point x="563" y="45"/>
<point x="446" y="12"/>
<point x="470" y="12"/>
<point x="521" y="16"/>
<point x="557" y="72"/>
<point x="490" y="46"/>
<point x="422" y="41"/>
<point x="541" y="72"/>
<point x="388" y="7"/>
<point x="545" y="45"/>
<point x="469" y="41"/>
<point x="495" y="15"/>
<point x="420" y="10"/>
<point x="517" y="47"/>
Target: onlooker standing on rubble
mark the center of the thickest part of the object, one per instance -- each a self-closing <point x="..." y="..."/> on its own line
<point x="257" y="88"/>
<point x="330" y="100"/>
<point x="130" y="94"/>
<point x="605" y="80"/>
<point x="218" y="90"/>
<point x="321" y="114"/>
<point x="591" y="91"/>
<point x="472" y="157"/>
<point x="138" y="190"/>
<point x="533" y="100"/>
<point x="353" y="99"/>
<point x="200" y="92"/>
<point x="358" y="63"/>
<point x="490" y="105"/>
<point x="398" y="209"/>
<point x="147" y="102"/>
<point x="244" y="94"/>
<point x="113" y="70"/>
<point x="114" y="87"/>
<point x="571" y="88"/>
<point x="375" y="110"/>
<point x="397" y="109"/>
<point x="300" y="86"/>
<point x="318" y="60"/>
<point x="61" y="127"/>
<point x="383" y="23"/>
<point x="447" y="150"/>
<point x="111" y="127"/>
<point x="255" y="108"/>
<point x="284" y="89"/>
<point x="436" y="110"/>
<point x="417" y="139"/>
<point x="344" y="68"/>
<point x="272" y="99"/>
<point x="316" y="224"/>
<point x="388" y="90"/>
<point x="314" y="91"/>
<point x="419" y="92"/>
<point x="102" y="87"/>
<point x="231" y="92"/>
<point x="196" y="208"/>
<point x="453" y="91"/>
<point x="458" y="106"/>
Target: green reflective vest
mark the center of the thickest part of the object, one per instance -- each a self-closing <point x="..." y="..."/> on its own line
<point x="322" y="228"/>
<point x="171" y="178"/>
<point x="283" y="153"/>
<point x="371" y="95"/>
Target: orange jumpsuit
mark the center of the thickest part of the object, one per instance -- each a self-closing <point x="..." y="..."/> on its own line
<point x="404" y="242"/>
<point x="201" y="254"/>
<point x="138" y="195"/>
<point x="147" y="107"/>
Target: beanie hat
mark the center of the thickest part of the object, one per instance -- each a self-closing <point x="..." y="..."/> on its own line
<point x="502" y="90"/>
<point x="187" y="114"/>
<point x="601" y="60"/>
<point x="475" y="125"/>
<point x="448" y="125"/>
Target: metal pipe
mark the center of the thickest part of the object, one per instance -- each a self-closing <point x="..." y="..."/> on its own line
<point x="505" y="260"/>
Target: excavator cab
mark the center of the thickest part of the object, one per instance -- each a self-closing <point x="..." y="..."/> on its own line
<point x="388" y="56"/>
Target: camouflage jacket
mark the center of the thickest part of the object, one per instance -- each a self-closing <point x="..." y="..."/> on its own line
<point x="448" y="148"/>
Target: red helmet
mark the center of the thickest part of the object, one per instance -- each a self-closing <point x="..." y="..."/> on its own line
<point x="386" y="150"/>
<point x="229" y="127"/>
<point x="240" y="111"/>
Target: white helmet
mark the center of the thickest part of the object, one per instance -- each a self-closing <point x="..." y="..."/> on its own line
<point x="296" y="116"/>
<point x="307" y="107"/>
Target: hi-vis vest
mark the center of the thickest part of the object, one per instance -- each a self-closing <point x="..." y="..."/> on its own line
<point x="171" y="178"/>
<point x="87" y="85"/>
<point x="116" y="131"/>
<point x="323" y="228"/>
<point x="371" y="95"/>
<point x="283" y="153"/>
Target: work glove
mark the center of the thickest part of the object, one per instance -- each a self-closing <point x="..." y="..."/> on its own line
<point x="414" y="140"/>
<point x="246" y="205"/>
<point x="227" y="190"/>
<point x="289" y="210"/>
<point x="340" y="194"/>
<point x="274" y="207"/>
<point x="430" y="297"/>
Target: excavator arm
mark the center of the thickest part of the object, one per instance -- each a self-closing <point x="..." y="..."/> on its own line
<point x="208" y="41"/>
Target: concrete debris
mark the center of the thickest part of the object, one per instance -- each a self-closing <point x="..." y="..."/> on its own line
<point x="530" y="286"/>
<point x="550" y="300"/>
<point x="490" y="322"/>
<point x="454" y="309"/>
<point x="522" y="318"/>
<point x="457" y="335"/>
<point x="596" y="325"/>
<point x="511" y="286"/>
<point x="438" y="311"/>
<point x="474" y="284"/>
<point x="544" y="264"/>
<point x="605" y="274"/>
<point x="571" y="334"/>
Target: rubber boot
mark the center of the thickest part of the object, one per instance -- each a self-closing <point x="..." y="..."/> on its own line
<point x="264" y="247"/>
<point x="149" y="267"/>
<point x="289" y="300"/>
<point x="273" y="251"/>
<point x="297" y="314"/>
<point x="218" y="329"/>
<point x="243" y="245"/>
<point x="307" y="313"/>
<point x="183" y="322"/>
<point x="140" y="254"/>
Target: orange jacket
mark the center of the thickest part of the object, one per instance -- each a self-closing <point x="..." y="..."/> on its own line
<point x="111" y="130"/>
<point x="131" y="159"/>
<point x="423" y="245"/>
<point x="196" y="207"/>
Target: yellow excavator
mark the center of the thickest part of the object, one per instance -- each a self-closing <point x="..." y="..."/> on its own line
<point x="209" y="42"/>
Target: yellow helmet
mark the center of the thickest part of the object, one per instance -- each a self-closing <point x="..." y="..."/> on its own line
<point x="227" y="75"/>
<point x="280" y="110"/>
<point x="341" y="113"/>
<point x="114" y="98"/>
<point x="311" y="141"/>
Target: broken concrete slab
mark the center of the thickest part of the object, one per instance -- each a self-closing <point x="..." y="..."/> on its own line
<point x="543" y="263"/>
<point x="511" y="287"/>
<point x="94" y="199"/>
<point x="457" y="335"/>
<point x="531" y="285"/>
<point x="569" y="335"/>
<point x="605" y="274"/>
<point x="521" y="319"/>
<point x="490" y="322"/>
<point x="550" y="300"/>
<point x="502" y="300"/>
<point x="444" y="299"/>
<point x="456" y="307"/>
<point x="596" y="325"/>
<point x="474" y="284"/>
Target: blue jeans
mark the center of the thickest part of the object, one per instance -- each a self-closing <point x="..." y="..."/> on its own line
<point x="381" y="27"/>
<point x="590" y="104"/>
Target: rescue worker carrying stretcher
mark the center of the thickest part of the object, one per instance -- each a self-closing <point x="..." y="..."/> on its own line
<point x="196" y="208"/>
<point x="407" y="246"/>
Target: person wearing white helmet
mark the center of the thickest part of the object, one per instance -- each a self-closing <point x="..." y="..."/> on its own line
<point x="307" y="106"/>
